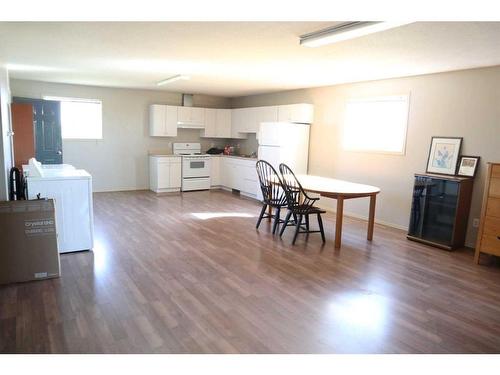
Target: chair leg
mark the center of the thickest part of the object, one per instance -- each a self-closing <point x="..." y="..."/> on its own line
<point x="287" y="219"/>
<point x="297" y="227"/>
<point x="276" y="219"/>
<point x="262" y="212"/>
<point x="320" y="223"/>
<point x="307" y="223"/>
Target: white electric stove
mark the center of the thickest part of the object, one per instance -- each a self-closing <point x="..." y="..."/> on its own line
<point x="195" y="166"/>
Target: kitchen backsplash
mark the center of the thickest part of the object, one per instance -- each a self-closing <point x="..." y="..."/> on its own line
<point x="247" y="146"/>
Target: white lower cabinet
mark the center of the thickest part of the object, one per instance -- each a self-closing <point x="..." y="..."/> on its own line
<point x="239" y="174"/>
<point x="249" y="174"/>
<point x="165" y="173"/>
<point x="227" y="172"/>
<point x="215" y="169"/>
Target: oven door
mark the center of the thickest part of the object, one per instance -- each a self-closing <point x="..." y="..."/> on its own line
<point x="195" y="167"/>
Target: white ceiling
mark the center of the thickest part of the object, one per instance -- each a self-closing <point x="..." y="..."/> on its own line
<point x="235" y="59"/>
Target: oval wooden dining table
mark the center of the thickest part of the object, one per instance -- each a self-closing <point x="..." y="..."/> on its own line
<point x="341" y="190"/>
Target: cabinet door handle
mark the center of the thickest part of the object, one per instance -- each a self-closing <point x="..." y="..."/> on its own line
<point x="498" y="237"/>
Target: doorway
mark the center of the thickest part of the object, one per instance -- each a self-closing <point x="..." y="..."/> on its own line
<point x="40" y="137"/>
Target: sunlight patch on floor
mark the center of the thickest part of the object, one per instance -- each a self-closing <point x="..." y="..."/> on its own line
<point x="100" y="257"/>
<point x="361" y="311"/>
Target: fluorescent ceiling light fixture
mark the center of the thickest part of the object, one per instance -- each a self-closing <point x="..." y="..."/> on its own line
<point x="32" y="68"/>
<point x="346" y="31"/>
<point x="173" y="79"/>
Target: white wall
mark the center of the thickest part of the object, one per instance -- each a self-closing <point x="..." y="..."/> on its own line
<point x="5" y="140"/>
<point x="462" y="104"/>
<point x="119" y="160"/>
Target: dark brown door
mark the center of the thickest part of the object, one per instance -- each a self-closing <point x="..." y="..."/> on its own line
<point x="24" y="138"/>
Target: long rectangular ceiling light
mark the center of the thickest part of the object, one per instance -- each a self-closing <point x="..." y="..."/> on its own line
<point x="346" y="31"/>
<point x="173" y="79"/>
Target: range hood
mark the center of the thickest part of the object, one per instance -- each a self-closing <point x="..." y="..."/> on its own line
<point x="187" y="101"/>
<point x="189" y="125"/>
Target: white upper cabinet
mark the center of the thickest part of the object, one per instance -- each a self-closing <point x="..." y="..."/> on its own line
<point x="210" y="122"/>
<point x="171" y="120"/>
<point x="217" y="123"/>
<point x="238" y="122"/>
<point x="157" y="120"/>
<point x="223" y="123"/>
<point x="248" y="120"/>
<point x="298" y="113"/>
<point x="162" y="120"/>
<point x="191" y="116"/>
<point x="198" y="115"/>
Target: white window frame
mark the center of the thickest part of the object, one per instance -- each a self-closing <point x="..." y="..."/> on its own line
<point x="374" y="99"/>
<point x="78" y="100"/>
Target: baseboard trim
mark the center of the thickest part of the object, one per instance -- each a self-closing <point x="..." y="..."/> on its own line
<point x="354" y="215"/>
<point x="382" y="222"/>
<point x="121" y="189"/>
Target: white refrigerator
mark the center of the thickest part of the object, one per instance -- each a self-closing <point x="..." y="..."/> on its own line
<point x="282" y="142"/>
<point x="288" y="143"/>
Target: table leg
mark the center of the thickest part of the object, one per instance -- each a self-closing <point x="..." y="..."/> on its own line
<point x="270" y="212"/>
<point x="338" y="222"/>
<point x="371" y="217"/>
<point x="477" y="254"/>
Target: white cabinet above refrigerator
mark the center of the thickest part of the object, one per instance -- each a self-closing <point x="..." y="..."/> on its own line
<point x="301" y="113"/>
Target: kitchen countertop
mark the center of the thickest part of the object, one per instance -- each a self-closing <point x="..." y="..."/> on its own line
<point x="235" y="157"/>
<point x="217" y="155"/>
<point x="164" y="155"/>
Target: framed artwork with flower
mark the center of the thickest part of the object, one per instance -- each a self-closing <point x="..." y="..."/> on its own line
<point x="443" y="155"/>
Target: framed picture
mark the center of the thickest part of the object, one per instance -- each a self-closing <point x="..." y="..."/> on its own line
<point x="468" y="166"/>
<point x="443" y="155"/>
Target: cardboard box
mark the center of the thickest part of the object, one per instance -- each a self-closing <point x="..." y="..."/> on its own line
<point x="28" y="241"/>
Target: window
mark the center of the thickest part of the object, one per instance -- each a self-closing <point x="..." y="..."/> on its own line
<point x="376" y="124"/>
<point x="80" y="118"/>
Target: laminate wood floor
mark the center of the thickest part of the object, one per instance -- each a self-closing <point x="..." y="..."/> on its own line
<point x="190" y="274"/>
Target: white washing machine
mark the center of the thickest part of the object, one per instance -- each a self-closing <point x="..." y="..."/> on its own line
<point x="71" y="189"/>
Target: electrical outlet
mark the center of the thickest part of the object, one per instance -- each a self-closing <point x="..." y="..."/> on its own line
<point x="475" y="223"/>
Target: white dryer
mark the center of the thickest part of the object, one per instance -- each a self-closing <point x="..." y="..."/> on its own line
<point x="72" y="191"/>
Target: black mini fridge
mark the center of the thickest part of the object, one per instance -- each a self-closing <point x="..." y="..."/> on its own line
<point x="440" y="210"/>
